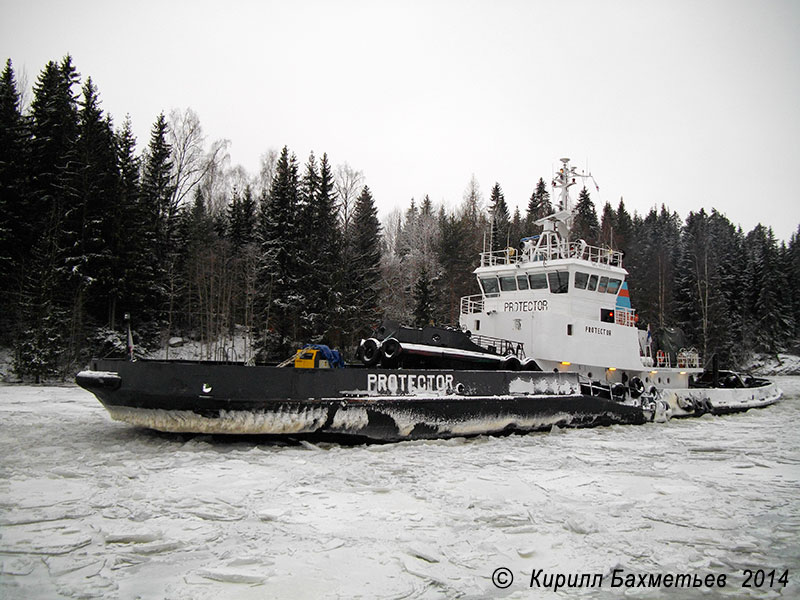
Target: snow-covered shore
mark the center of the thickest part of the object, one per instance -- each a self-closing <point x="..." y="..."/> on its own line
<point x="767" y="365"/>
<point x="91" y="508"/>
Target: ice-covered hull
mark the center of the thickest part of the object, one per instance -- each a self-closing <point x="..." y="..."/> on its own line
<point x="367" y="403"/>
<point x="694" y="402"/>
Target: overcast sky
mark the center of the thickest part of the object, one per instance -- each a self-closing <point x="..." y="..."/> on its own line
<point x="689" y="103"/>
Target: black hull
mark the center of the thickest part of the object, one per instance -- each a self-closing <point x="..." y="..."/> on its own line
<point x="351" y="403"/>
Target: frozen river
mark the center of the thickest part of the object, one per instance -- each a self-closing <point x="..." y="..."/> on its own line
<point x="91" y="508"/>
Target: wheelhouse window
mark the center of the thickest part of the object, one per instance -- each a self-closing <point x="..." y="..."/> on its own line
<point x="581" y="279"/>
<point x="613" y="286"/>
<point x="538" y="281"/>
<point x="559" y="282"/>
<point x="592" y="283"/>
<point x="522" y="282"/>
<point x="603" y="285"/>
<point x="508" y="284"/>
<point x="489" y="285"/>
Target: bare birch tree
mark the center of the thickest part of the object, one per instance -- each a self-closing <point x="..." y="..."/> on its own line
<point x="190" y="162"/>
<point x="348" y="185"/>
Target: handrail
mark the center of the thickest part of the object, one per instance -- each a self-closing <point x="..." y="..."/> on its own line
<point x="500" y="346"/>
<point x="689" y="358"/>
<point x="509" y="256"/>
<point x="579" y="250"/>
<point x="471" y="304"/>
<point x="625" y="316"/>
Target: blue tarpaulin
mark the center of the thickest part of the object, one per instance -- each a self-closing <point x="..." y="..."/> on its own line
<point x="332" y="356"/>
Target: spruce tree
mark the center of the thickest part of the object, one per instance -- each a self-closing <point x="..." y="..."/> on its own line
<point x="539" y="206"/>
<point x="701" y="308"/>
<point x="405" y="240"/>
<point x="608" y="226"/>
<point x="159" y="228"/>
<point x="731" y="268"/>
<point x="44" y="316"/>
<point x="308" y="266"/>
<point x="792" y="270"/>
<point x="157" y="187"/>
<point x="241" y="218"/>
<point x="455" y="262"/>
<point x="584" y="222"/>
<point x="624" y="233"/>
<point x="14" y="173"/>
<point x="91" y="203"/>
<point x="770" y="309"/>
<point x="137" y="274"/>
<point x="500" y="219"/>
<point x="364" y="285"/>
<point x="54" y="130"/>
<point x="278" y="295"/>
<point x="426" y="210"/>
<point x="328" y="239"/>
<point x="651" y="263"/>
<point x="515" y="229"/>
<point x="424" y="300"/>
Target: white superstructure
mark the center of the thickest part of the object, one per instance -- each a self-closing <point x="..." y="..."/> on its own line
<point x="567" y="302"/>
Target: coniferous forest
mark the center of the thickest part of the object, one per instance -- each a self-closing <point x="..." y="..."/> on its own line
<point x="91" y="231"/>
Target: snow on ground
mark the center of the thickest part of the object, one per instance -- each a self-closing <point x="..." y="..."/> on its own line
<point x="91" y="508"/>
<point x="238" y="347"/>
<point x="770" y="365"/>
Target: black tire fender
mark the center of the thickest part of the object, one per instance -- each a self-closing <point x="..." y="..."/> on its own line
<point x="370" y="352"/>
<point x="636" y="387"/>
<point x="391" y="348"/>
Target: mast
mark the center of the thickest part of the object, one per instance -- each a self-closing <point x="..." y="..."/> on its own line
<point x="554" y="240"/>
<point x="565" y="179"/>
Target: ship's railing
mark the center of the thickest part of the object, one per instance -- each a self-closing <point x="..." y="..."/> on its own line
<point x="646" y="356"/>
<point x="580" y="250"/>
<point x="499" y="346"/>
<point x="471" y="304"/>
<point x="689" y="358"/>
<point x="625" y="316"/>
<point x="595" y="254"/>
<point x="509" y="256"/>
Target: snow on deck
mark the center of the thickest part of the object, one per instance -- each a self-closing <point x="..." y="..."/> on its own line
<point x="93" y="508"/>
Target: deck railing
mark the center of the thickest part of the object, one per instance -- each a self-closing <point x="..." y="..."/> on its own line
<point x="471" y="304"/>
<point x="688" y="358"/>
<point x="579" y="250"/>
<point x="499" y="346"/>
<point x="625" y="316"/>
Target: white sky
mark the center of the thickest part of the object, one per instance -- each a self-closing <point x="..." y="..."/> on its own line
<point x="689" y="103"/>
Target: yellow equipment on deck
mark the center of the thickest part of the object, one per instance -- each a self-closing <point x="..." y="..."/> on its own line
<point x="307" y="358"/>
<point x="310" y="358"/>
<point x="314" y="357"/>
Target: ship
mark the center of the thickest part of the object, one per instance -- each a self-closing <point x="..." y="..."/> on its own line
<point x="551" y="340"/>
